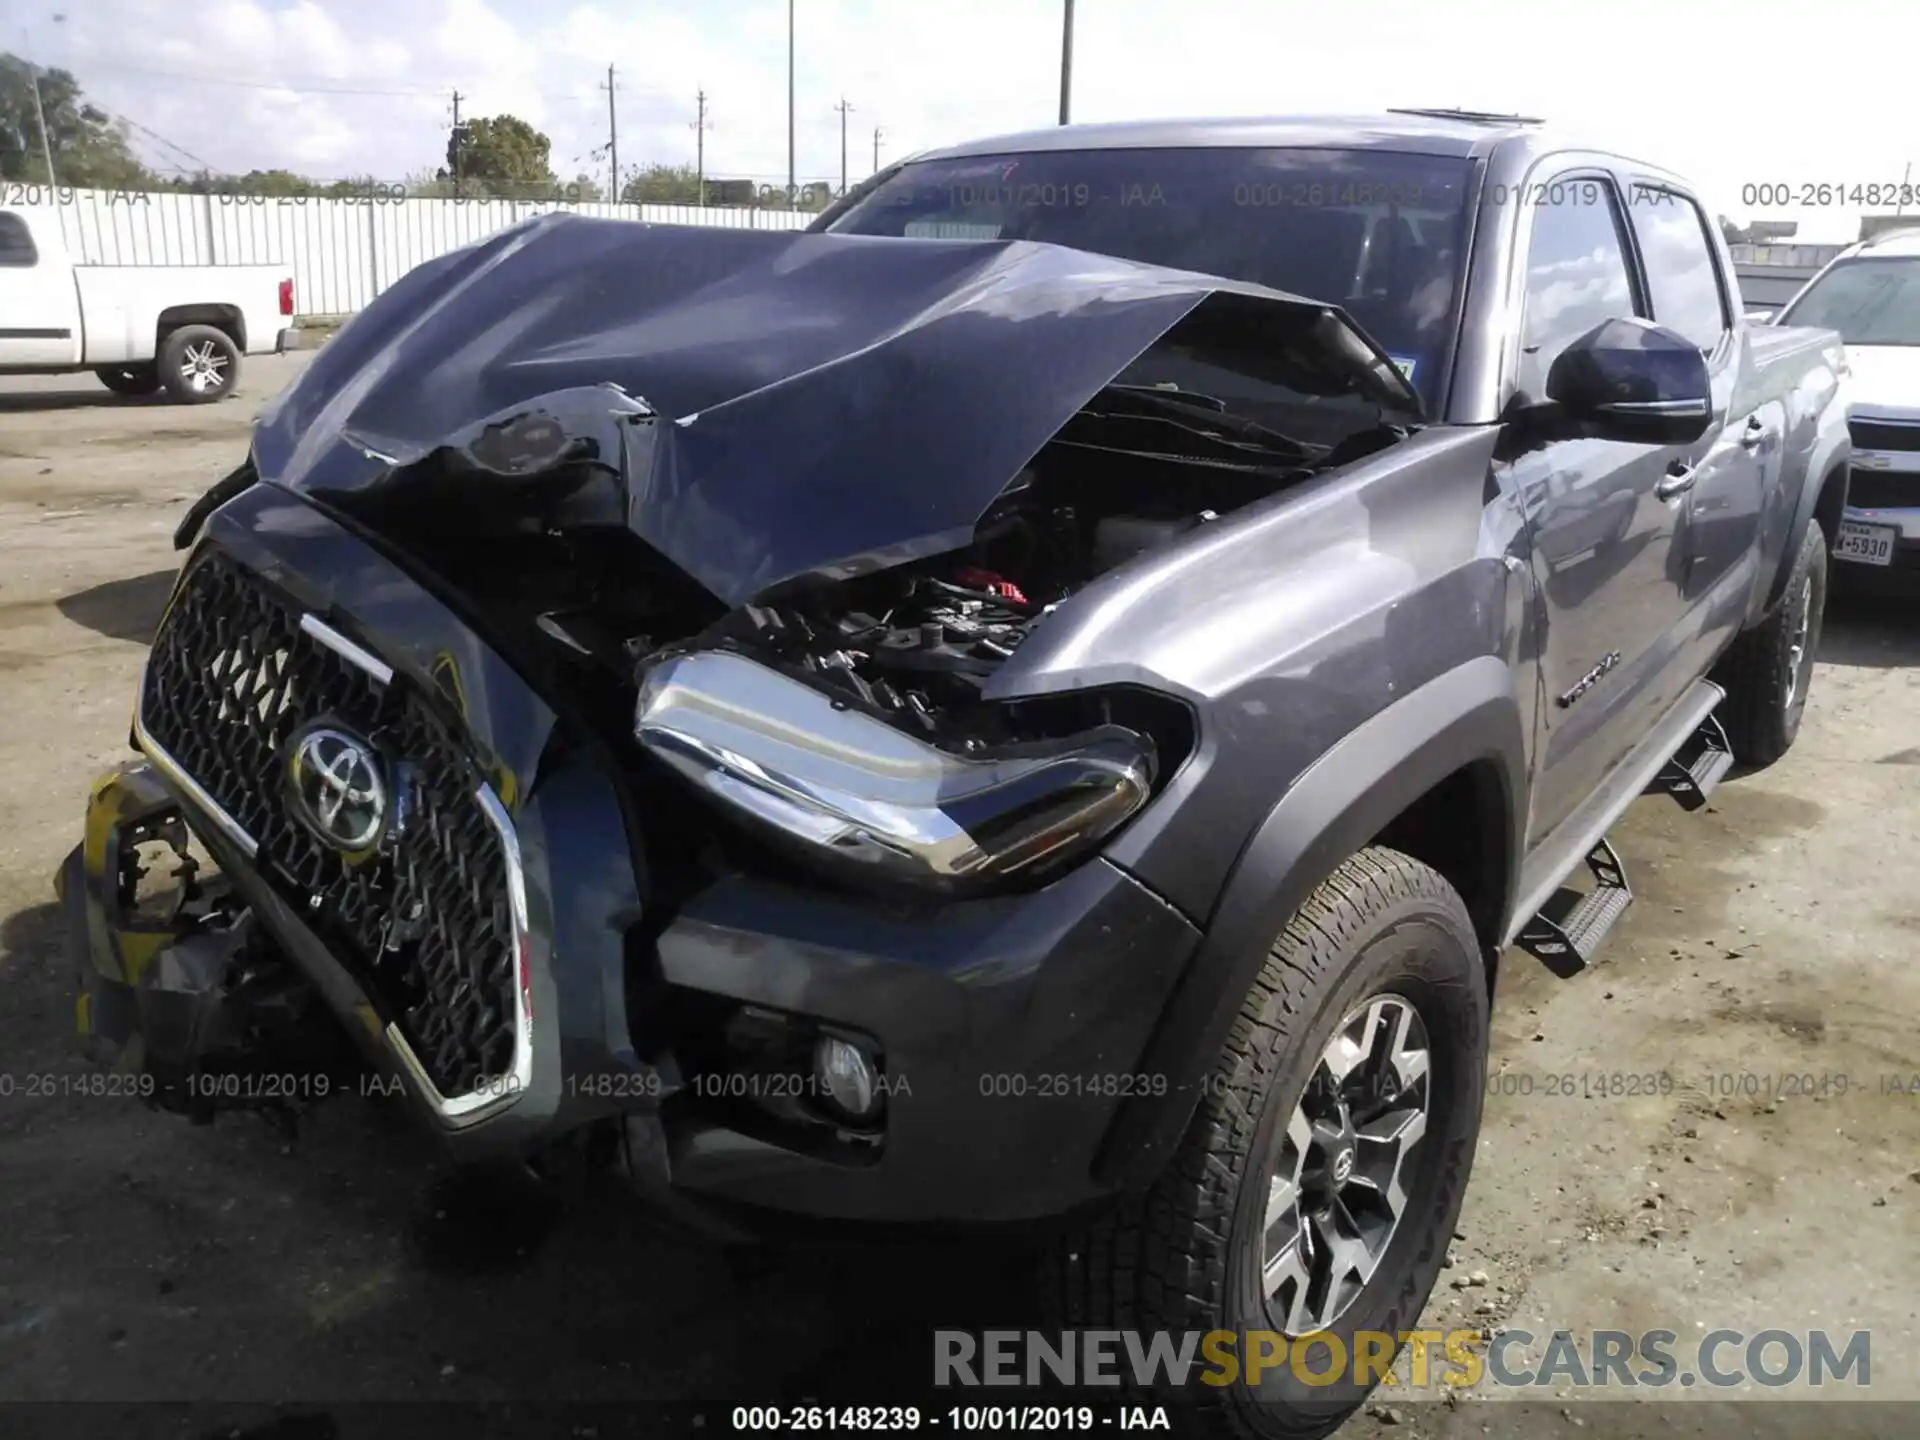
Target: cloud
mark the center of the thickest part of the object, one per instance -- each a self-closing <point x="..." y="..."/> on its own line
<point x="373" y="80"/>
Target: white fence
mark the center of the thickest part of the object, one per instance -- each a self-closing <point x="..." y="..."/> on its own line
<point x="342" y="252"/>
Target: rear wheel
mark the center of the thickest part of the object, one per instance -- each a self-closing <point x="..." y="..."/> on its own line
<point x="129" y="379"/>
<point x="1768" y="669"/>
<point x="198" y="364"/>
<point x="1319" y="1181"/>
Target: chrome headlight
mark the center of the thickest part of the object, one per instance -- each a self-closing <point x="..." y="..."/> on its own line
<point x="841" y="787"/>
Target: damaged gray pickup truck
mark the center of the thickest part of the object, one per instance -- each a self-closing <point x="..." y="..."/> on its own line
<point x="1043" y="699"/>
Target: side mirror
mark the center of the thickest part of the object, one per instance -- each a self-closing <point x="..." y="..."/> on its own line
<point x="1761" y="317"/>
<point x="1633" y="380"/>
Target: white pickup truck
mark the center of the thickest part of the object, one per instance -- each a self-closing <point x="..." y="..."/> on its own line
<point x="140" y="328"/>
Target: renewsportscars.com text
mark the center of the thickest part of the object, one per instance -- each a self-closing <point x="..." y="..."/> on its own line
<point x="1620" y="1359"/>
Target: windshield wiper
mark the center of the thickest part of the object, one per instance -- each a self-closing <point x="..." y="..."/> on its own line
<point x="1174" y="392"/>
<point x="1204" y="416"/>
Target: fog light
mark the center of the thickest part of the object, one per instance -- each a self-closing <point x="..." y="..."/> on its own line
<point x="846" y="1077"/>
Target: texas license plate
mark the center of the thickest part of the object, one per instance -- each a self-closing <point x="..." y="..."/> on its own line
<point x="1869" y="544"/>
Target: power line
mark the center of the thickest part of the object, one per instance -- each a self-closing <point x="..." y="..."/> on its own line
<point x="286" y="85"/>
<point x="162" y="140"/>
<point x="324" y="85"/>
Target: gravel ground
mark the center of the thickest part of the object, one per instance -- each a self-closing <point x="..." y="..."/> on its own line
<point x="146" y="1259"/>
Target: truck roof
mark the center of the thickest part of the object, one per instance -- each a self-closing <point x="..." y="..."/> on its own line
<point x="1901" y="244"/>
<point x="1426" y="132"/>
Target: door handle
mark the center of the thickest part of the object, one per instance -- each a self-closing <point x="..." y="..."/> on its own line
<point x="1754" y="434"/>
<point x="1677" y="481"/>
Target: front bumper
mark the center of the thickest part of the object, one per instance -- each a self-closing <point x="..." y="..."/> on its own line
<point x="1009" y="1028"/>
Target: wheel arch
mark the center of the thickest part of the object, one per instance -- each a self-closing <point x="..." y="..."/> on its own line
<point x="227" y="319"/>
<point x="1440" y="773"/>
<point x="1820" y="504"/>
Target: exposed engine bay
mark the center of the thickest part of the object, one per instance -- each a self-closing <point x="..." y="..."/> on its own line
<point x="1137" y="469"/>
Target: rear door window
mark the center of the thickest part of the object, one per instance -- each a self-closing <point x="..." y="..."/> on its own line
<point x="16" y="242"/>
<point x="1683" y="279"/>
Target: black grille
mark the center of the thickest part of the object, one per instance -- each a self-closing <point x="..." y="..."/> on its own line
<point x="1884" y="435"/>
<point x="425" y="924"/>
<point x="1883" y="489"/>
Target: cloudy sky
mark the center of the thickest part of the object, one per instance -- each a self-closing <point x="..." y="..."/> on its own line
<point x="1776" y="91"/>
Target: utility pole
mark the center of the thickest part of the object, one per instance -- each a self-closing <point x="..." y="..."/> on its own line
<point x="845" y="110"/>
<point x="700" y="145"/>
<point x="459" y="142"/>
<point x="39" y="111"/>
<point x="1066" y="62"/>
<point x="876" y="149"/>
<point x="613" y="142"/>
<point x="793" y="195"/>
<point x="46" y="143"/>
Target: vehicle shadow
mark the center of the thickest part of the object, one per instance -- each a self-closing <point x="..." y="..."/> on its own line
<point x="32" y="932"/>
<point x="1870" y="632"/>
<point x="28" y="401"/>
<point x="121" y="609"/>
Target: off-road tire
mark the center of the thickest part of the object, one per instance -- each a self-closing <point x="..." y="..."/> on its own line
<point x="1186" y="1255"/>
<point x="1765" y="676"/>
<point x="181" y="357"/>
<point x="129" y="379"/>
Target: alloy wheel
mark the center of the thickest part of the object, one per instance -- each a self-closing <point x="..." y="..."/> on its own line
<point x="1336" y="1194"/>
<point x="203" y="367"/>
<point x="1800" y="643"/>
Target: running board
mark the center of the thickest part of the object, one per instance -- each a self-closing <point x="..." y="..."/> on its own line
<point x="1582" y="837"/>
<point x="1570" y="928"/>
<point x="1696" y="767"/>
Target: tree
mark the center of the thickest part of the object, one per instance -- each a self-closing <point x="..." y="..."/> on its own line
<point x="663" y="185"/>
<point x="500" y="155"/>
<point x="429" y="185"/>
<point x="266" y="182"/>
<point x="90" y="147"/>
<point x="355" y="186"/>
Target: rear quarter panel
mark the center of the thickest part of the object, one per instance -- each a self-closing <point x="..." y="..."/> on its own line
<point x="1794" y="373"/>
<point x="122" y="304"/>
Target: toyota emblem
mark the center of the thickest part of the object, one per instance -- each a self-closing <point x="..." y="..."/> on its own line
<point x="338" y="786"/>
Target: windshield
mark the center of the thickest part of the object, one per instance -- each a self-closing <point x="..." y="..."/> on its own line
<point x="1378" y="233"/>
<point x="1870" y="302"/>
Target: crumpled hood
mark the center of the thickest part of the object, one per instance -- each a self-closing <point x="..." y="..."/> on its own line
<point x="826" y="404"/>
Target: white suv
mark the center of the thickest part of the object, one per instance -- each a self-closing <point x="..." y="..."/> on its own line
<point x="1870" y="293"/>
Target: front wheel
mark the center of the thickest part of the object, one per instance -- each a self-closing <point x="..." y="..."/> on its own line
<point x="199" y="364"/>
<point x="1318" y="1184"/>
